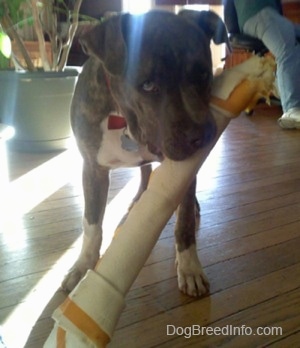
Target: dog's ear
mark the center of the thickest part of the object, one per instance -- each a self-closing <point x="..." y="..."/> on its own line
<point x="210" y="23"/>
<point x="106" y="42"/>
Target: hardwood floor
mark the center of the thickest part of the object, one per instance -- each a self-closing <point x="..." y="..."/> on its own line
<point x="249" y="191"/>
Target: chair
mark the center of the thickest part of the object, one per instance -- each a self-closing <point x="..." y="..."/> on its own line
<point x="243" y="46"/>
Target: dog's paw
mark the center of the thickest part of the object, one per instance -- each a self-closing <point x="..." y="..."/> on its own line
<point x="191" y="279"/>
<point x="76" y="273"/>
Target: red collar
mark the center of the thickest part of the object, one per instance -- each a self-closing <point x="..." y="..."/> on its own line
<point x="116" y="122"/>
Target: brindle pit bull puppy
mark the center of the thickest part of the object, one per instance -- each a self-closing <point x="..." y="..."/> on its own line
<point x="156" y="71"/>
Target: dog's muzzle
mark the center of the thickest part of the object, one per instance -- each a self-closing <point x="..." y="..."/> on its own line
<point x="184" y="143"/>
<point x="205" y="136"/>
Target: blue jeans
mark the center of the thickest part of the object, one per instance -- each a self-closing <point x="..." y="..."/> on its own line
<point x="279" y="36"/>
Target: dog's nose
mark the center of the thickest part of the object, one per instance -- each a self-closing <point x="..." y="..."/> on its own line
<point x="204" y="136"/>
<point x="184" y="143"/>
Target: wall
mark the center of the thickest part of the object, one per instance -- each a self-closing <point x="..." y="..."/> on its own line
<point x="96" y="8"/>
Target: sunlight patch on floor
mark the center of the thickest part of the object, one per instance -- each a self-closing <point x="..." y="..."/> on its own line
<point x="206" y="178"/>
<point x="20" y="196"/>
<point x="17" y="327"/>
<point x="26" y="314"/>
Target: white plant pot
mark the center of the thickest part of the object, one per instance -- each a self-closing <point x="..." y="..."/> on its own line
<point x="37" y="105"/>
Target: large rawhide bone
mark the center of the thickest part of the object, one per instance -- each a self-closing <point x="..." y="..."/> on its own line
<point x="89" y="315"/>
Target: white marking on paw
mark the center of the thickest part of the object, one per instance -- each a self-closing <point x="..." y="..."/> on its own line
<point x="191" y="278"/>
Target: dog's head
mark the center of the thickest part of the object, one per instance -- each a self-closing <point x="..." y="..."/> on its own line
<point x="160" y="69"/>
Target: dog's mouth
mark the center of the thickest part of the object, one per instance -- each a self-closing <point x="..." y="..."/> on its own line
<point x="155" y="150"/>
<point x="181" y="145"/>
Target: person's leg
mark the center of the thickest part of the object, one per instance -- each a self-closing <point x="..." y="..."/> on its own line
<point x="279" y="35"/>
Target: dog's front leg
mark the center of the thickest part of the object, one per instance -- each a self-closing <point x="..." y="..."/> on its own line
<point x="95" y="188"/>
<point x="146" y="171"/>
<point x="191" y="278"/>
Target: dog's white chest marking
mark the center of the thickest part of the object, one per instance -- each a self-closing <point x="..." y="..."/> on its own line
<point x="117" y="149"/>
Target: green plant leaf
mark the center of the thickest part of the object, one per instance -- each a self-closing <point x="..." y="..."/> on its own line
<point x="4" y="62"/>
<point x="5" y="45"/>
<point x="12" y="8"/>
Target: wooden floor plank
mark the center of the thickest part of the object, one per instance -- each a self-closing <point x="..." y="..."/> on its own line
<point x="278" y="317"/>
<point x="210" y="310"/>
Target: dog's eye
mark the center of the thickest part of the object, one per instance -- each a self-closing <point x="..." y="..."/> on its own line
<point x="150" y="87"/>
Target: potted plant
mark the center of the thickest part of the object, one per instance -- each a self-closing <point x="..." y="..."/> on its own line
<point x="36" y="91"/>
